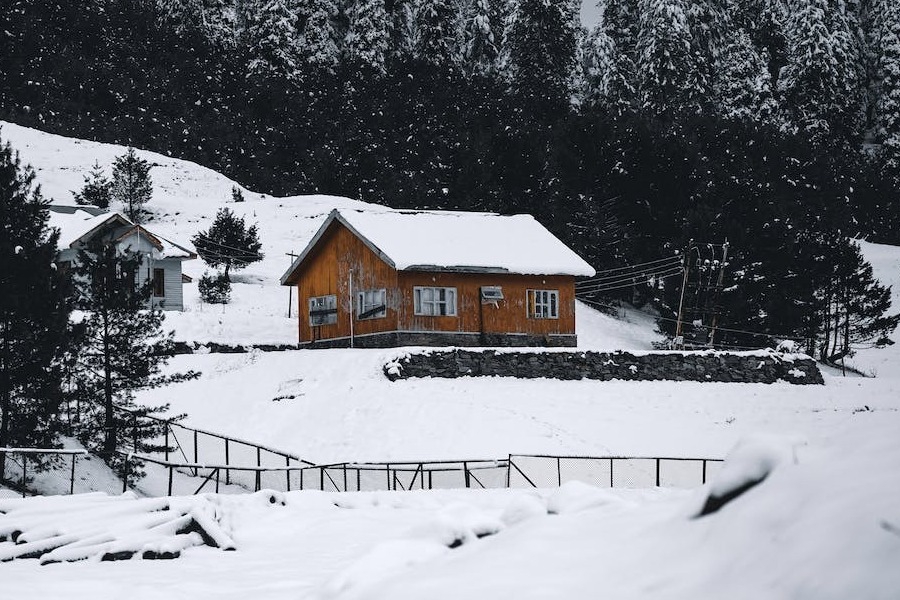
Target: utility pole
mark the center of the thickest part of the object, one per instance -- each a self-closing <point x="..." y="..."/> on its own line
<point x="686" y="259"/>
<point x="721" y="279"/>
<point x="290" y="287"/>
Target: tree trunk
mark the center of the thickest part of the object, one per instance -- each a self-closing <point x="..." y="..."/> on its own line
<point x="5" y="399"/>
<point x="109" y="441"/>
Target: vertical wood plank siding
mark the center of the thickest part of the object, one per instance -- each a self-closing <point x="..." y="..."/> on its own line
<point x="326" y="271"/>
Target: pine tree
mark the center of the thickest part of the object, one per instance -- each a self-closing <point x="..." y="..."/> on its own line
<point x="33" y="313"/>
<point x="820" y="86"/>
<point x="671" y="81"/>
<point x="97" y="189"/>
<point x="887" y="105"/>
<point x="480" y="47"/>
<point x="539" y="44"/>
<point x="609" y="57"/>
<point x="318" y="42"/>
<point x="366" y="43"/>
<point x="131" y="184"/>
<point x="271" y="42"/>
<point x="228" y="243"/>
<point x="743" y="83"/>
<point x="436" y="35"/>
<point x="123" y="346"/>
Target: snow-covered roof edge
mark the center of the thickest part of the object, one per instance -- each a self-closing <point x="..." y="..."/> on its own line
<point x="167" y="248"/>
<point x="288" y="277"/>
<point x="334" y="215"/>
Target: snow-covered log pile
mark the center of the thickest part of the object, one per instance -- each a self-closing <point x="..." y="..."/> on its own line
<point x="99" y="527"/>
<point x="760" y="366"/>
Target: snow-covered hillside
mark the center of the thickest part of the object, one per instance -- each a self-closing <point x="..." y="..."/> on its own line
<point x="336" y="405"/>
<point x="185" y="200"/>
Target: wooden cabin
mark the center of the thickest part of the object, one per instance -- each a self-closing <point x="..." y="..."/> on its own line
<point x="428" y="278"/>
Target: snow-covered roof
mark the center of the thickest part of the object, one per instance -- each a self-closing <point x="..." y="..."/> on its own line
<point x="456" y="241"/>
<point x="80" y="225"/>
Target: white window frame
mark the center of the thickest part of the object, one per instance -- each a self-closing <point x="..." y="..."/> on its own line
<point x="328" y="302"/>
<point x="542" y="304"/>
<point x="434" y="301"/>
<point x="369" y="300"/>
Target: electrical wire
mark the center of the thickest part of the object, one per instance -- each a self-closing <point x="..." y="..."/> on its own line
<point x="605" y="274"/>
<point x="632" y="279"/>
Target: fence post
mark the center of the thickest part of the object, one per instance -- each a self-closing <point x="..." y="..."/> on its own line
<point x="466" y="473"/>
<point x="703" y="481"/>
<point x="227" y="463"/>
<point x="287" y="472"/>
<point x="387" y="471"/>
<point x="196" y="459"/>
<point x="345" y="477"/>
<point x="134" y="432"/>
<point x="558" y="472"/>
<point x="24" y="469"/>
<point x="657" y="472"/>
<point x="166" y="433"/>
<point x="171" y="468"/>
<point x="72" y="479"/>
<point x="611" y="462"/>
<point x="125" y="475"/>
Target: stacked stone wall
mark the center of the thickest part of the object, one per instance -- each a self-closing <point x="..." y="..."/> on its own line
<point x="740" y="367"/>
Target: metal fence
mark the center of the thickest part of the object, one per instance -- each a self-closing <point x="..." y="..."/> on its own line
<point x="65" y="473"/>
<point x="541" y="471"/>
<point x="29" y="472"/>
<point x="174" y="442"/>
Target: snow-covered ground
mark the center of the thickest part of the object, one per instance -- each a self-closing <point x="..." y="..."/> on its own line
<point x="825" y="525"/>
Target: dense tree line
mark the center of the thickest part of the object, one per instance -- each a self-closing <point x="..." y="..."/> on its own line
<point x="772" y="123"/>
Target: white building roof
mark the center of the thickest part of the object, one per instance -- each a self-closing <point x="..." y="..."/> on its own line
<point x="79" y="225"/>
<point x="457" y="241"/>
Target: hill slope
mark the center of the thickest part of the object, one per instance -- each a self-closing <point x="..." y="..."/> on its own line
<point x="336" y="405"/>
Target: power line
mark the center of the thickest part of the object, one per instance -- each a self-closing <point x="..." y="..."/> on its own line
<point x="632" y="279"/>
<point x="605" y="274"/>
<point x="208" y="240"/>
<point x="629" y="284"/>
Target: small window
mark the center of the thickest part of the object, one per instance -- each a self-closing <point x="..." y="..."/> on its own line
<point x="491" y="293"/>
<point x="371" y="304"/>
<point x="322" y="310"/>
<point x="435" y="301"/>
<point x="543" y="304"/>
<point x="159" y="282"/>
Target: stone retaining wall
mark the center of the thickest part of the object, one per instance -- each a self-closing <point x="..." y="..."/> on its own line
<point x="738" y="367"/>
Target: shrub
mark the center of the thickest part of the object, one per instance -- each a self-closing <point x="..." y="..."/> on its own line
<point x="215" y="289"/>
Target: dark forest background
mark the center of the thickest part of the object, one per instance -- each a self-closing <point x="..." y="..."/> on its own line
<point x="774" y="124"/>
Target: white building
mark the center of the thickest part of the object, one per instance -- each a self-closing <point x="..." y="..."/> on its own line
<point x="162" y="258"/>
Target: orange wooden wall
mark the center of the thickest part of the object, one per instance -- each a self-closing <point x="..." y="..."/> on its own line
<point x="327" y="269"/>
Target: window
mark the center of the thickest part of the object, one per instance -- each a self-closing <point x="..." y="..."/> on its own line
<point x="322" y="310"/>
<point x="371" y="304"/>
<point x="435" y="301"/>
<point x="543" y="304"/>
<point x="159" y="282"/>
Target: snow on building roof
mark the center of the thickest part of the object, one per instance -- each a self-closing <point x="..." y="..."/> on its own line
<point x="457" y="241"/>
<point x="78" y="225"/>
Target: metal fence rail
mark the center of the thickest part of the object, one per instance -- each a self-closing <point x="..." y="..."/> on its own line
<point x="609" y="471"/>
<point x="174" y="442"/>
<point x="192" y="477"/>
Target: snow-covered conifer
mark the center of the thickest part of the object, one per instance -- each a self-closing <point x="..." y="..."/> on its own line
<point x="480" y="46"/>
<point x="368" y="36"/>
<point x="820" y="86"/>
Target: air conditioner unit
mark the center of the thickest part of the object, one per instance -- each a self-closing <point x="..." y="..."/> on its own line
<point x="491" y="293"/>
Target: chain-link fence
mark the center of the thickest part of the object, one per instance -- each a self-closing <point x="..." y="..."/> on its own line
<point x="33" y="471"/>
<point x="542" y="471"/>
